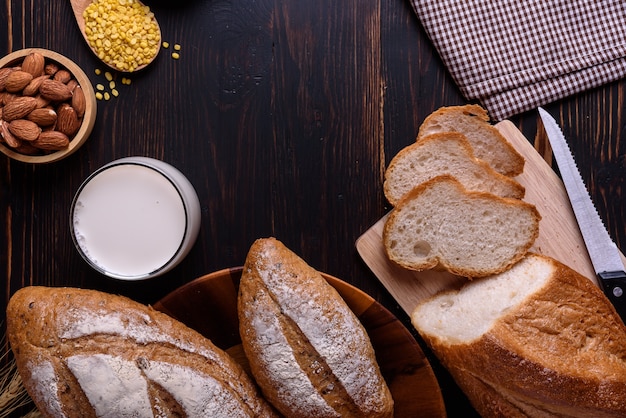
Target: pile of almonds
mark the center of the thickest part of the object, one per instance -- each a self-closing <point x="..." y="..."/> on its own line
<point x="41" y="106"/>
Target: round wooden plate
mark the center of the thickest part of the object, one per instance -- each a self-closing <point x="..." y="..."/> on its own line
<point x="209" y="305"/>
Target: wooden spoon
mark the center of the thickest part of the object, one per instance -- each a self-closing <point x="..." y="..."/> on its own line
<point x="79" y="7"/>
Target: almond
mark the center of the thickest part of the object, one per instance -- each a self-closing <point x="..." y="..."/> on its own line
<point x="51" y="140"/>
<point x="51" y="68"/>
<point x="63" y="76"/>
<point x="6" y="97"/>
<point x="67" y="120"/>
<point x="18" y="108"/>
<point x="34" y="64"/>
<point x="72" y="84"/>
<point x="4" y="73"/>
<point x="27" y="148"/>
<point x="55" y="90"/>
<point x="78" y="101"/>
<point x="24" y="129"/>
<point x="7" y="136"/>
<point x="17" y="80"/>
<point x="41" y="101"/>
<point x="43" y="117"/>
<point x="33" y="87"/>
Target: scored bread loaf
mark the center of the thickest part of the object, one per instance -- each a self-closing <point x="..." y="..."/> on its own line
<point x="487" y="142"/>
<point x="444" y="153"/>
<point x="307" y="350"/>
<point x="84" y="353"/>
<point x="439" y="224"/>
<point x="539" y="340"/>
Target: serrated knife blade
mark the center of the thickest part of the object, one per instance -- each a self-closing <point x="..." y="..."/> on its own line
<point x="603" y="252"/>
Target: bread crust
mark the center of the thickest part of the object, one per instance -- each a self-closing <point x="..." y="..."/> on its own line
<point x="487" y="142"/>
<point x="307" y="350"/>
<point x="83" y="353"/>
<point x="561" y="352"/>
<point x="432" y="257"/>
<point x="444" y="153"/>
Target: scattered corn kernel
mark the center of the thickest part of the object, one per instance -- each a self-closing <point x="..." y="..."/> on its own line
<point x="97" y="71"/>
<point x="112" y="84"/>
<point x="115" y="93"/>
<point x="108" y="76"/>
<point x="99" y="87"/>
<point x="166" y="44"/>
<point x="123" y="33"/>
<point x="177" y="47"/>
<point x="125" y="80"/>
<point x="175" y="55"/>
<point x="106" y="95"/>
<point x="99" y="96"/>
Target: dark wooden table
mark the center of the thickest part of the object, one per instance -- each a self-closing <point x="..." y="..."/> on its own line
<point x="283" y="114"/>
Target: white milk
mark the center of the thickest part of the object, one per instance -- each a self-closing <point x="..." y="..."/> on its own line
<point x="135" y="218"/>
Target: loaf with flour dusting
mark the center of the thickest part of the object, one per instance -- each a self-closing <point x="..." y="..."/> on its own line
<point x="307" y="350"/>
<point x="83" y="353"/>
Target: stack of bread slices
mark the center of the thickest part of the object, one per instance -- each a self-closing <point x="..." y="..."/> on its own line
<point x="454" y="210"/>
<point x="527" y="336"/>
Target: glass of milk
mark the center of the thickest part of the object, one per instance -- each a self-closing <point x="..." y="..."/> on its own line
<point x="135" y="218"/>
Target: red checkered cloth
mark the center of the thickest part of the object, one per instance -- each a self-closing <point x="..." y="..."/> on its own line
<point x="515" y="55"/>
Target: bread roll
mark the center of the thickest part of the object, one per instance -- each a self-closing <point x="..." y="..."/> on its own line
<point x="440" y="224"/>
<point x="539" y="340"/>
<point x="444" y="153"/>
<point x="83" y="353"/>
<point x="487" y="142"/>
<point x="307" y="350"/>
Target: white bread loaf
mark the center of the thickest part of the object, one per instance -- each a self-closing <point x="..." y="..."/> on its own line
<point x="539" y="340"/>
<point x="83" y="353"/>
<point x="439" y="224"/>
<point x="444" y="153"/>
<point x="487" y="142"/>
<point x="307" y="350"/>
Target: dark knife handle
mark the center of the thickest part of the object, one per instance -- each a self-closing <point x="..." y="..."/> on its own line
<point x="614" y="286"/>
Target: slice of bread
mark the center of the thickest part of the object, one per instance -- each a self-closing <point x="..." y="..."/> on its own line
<point x="488" y="143"/>
<point x="444" y="153"/>
<point x="538" y="340"/>
<point x="473" y="234"/>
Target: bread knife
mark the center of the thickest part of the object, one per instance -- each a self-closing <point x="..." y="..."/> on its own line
<point x="603" y="252"/>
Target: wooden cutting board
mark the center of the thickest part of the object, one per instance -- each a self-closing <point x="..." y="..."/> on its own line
<point x="559" y="235"/>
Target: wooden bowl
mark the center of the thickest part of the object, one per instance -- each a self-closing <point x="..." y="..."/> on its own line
<point x="209" y="305"/>
<point x="89" y="119"/>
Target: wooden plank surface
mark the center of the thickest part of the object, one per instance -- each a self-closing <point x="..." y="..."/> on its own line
<point x="559" y="235"/>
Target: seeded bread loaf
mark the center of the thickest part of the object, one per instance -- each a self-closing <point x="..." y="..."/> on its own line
<point x="538" y="340"/>
<point x="439" y="224"/>
<point x="444" y="153"/>
<point x="307" y="350"/>
<point x="487" y="142"/>
<point x="83" y="353"/>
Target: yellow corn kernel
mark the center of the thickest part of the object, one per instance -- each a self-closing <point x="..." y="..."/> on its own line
<point x="176" y="47"/>
<point x="123" y="34"/>
<point x="97" y="71"/>
<point x="112" y="84"/>
<point x="175" y="55"/>
<point x="108" y="76"/>
<point x="115" y="93"/>
<point x="99" y="96"/>
<point x="106" y="95"/>
<point x="99" y="87"/>
<point x="166" y="44"/>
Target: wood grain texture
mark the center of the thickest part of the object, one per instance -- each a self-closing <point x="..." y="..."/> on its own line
<point x="284" y="116"/>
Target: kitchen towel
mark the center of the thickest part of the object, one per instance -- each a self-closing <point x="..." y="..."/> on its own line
<point x="515" y="55"/>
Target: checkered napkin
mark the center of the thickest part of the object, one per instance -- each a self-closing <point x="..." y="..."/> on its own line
<point x="515" y="55"/>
